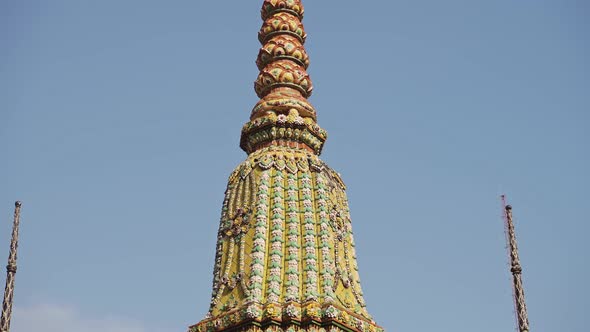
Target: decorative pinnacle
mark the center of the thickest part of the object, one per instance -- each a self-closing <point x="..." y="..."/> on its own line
<point x="282" y="60"/>
<point x="283" y="116"/>
<point x="282" y="57"/>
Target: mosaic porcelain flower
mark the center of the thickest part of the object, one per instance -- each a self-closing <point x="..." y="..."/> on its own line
<point x="253" y="312"/>
<point x="282" y="118"/>
<point x="299" y="121"/>
<point x="259" y="242"/>
<point x="256" y="293"/>
<point x="257" y="268"/>
<point x="292" y="311"/>
<point x="272" y="311"/>
<point x="331" y="312"/>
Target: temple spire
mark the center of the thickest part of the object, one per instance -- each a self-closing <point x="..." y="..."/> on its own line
<point x="285" y="259"/>
<point x="10" y="272"/>
<point x="283" y="116"/>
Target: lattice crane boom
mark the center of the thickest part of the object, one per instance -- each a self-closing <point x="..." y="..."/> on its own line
<point x="10" y="272"/>
<point x="516" y="270"/>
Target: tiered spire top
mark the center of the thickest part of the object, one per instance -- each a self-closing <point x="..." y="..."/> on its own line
<point x="283" y="116"/>
<point x="270" y="7"/>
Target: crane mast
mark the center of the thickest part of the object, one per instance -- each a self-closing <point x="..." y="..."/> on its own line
<point x="10" y="272"/>
<point x="516" y="270"/>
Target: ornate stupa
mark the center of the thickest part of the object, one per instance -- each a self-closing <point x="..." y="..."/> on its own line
<point x="285" y="257"/>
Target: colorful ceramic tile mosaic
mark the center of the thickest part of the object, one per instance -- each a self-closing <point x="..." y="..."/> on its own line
<point x="285" y="258"/>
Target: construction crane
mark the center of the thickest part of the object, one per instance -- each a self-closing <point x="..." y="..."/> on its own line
<point x="522" y="319"/>
<point x="10" y="273"/>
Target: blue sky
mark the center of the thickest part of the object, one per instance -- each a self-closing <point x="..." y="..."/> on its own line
<point x="120" y="123"/>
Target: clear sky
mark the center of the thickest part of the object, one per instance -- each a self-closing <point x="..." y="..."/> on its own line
<point x="120" y="122"/>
